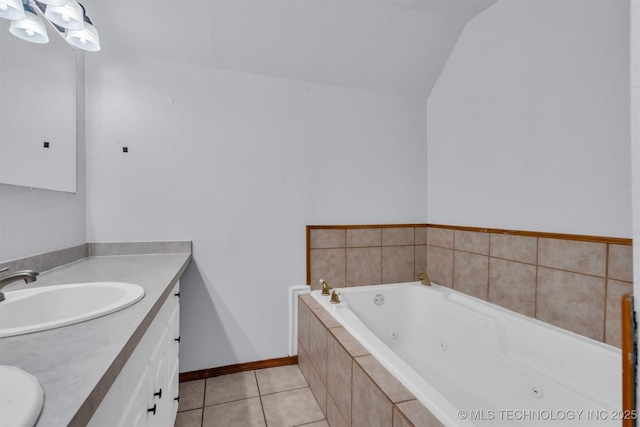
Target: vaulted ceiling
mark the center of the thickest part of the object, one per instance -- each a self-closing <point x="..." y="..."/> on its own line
<point x="392" y="46"/>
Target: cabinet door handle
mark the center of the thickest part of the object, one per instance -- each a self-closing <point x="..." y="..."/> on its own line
<point x="152" y="409"/>
<point x="177" y="294"/>
<point x="177" y="339"/>
<point x="158" y="393"/>
<point x="177" y="399"/>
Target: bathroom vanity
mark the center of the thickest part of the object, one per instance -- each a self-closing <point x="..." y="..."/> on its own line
<point x="119" y="369"/>
<point x="146" y="391"/>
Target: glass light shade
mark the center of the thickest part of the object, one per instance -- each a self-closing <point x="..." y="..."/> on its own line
<point x="11" y="9"/>
<point x="30" y="28"/>
<point x="85" y="39"/>
<point x="69" y="16"/>
<point x="53" y="2"/>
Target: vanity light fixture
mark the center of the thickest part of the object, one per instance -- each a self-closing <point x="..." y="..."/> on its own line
<point x="68" y="18"/>
<point x="53" y="2"/>
<point x="30" y="28"/>
<point x="85" y="38"/>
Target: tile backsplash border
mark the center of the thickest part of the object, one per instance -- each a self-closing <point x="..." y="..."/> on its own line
<point x="571" y="281"/>
<point x="365" y="254"/>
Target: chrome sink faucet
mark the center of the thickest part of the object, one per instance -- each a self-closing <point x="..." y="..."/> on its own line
<point x="27" y="275"/>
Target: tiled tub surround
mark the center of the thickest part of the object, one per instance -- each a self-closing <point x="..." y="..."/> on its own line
<point x="77" y="364"/>
<point x="365" y="255"/>
<point x="454" y="352"/>
<point x="574" y="282"/>
<point x="350" y="385"/>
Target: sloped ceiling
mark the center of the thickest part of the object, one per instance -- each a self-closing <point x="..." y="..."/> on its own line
<point x="394" y="46"/>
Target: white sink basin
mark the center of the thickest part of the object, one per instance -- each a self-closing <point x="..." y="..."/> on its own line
<point x="21" y="397"/>
<point x="48" y="307"/>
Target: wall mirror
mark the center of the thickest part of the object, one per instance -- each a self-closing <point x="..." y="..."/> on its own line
<point x="37" y="112"/>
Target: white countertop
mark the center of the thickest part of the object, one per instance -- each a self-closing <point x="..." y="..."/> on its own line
<point x="77" y="364"/>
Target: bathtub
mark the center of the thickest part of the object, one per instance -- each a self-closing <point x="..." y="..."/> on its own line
<point x="474" y="363"/>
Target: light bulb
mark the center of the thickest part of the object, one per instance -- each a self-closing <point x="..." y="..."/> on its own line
<point x="11" y="9"/>
<point x="85" y="39"/>
<point x="30" y="28"/>
<point x="69" y="16"/>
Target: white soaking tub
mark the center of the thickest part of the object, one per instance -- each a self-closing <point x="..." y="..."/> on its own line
<point x="474" y="363"/>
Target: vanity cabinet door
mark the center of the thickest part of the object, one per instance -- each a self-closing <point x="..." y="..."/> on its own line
<point x="137" y="410"/>
<point x="173" y="371"/>
<point x="158" y="365"/>
<point x="145" y="392"/>
<point x="174" y="387"/>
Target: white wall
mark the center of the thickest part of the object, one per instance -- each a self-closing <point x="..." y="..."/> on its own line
<point x="529" y="121"/>
<point x="239" y="164"/>
<point x="36" y="221"/>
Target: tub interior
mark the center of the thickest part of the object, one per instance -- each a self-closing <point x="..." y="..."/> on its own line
<point x="480" y="356"/>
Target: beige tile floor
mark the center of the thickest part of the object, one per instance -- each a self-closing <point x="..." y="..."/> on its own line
<point x="272" y="397"/>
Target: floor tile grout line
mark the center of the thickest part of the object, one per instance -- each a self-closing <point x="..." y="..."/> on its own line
<point x="204" y="394"/>
<point x="264" y="415"/>
<point x="230" y="401"/>
<point x="284" y="391"/>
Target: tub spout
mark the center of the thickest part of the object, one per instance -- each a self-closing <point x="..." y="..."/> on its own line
<point x="335" y="297"/>
<point x="424" y="278"/>
<point x="325" y="287"/>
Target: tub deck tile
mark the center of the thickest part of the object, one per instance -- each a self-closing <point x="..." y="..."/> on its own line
<point x="319" y="389"/>
<point x="304" y="314"/>
<point x="339" y="364"/>
<point x="310" y="301"/>
<point x="326" y="318"/>
<point x="370" y="406"/>
<point x="304" y="362"/>
<point x="389" y="384"/>
<point x="416" y="414"/>
<point x="348" y="342"/>
<point x="318" y="347"/>
<point x="334" y="417"/>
